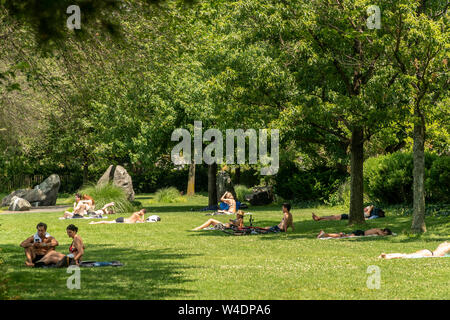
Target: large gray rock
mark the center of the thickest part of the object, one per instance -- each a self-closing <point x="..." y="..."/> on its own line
<point x="44" y="194"/>
<point x="224" y="183"/>
<point x="260" y="196"/>
<point x="49" y="188"/>
<point x="118" y="176"/>
<point x="19" y="204"/>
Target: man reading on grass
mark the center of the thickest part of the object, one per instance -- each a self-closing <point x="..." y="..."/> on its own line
<point x="356" y="233"/>
<point x="286" y="222"/>
<point x="38" y="245"/>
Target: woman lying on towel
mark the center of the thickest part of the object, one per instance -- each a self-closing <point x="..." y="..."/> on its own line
<point x="238" y="222"/>
<point x="442" y="250"/>
<point x="76" y="251"/>
<point x="356" y="233"/>
<point x="134" y="218"/>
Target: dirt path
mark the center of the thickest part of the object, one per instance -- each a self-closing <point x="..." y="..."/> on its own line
<point x="39" y="210"/>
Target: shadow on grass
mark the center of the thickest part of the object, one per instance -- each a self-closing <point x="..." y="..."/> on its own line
<point x="146" y="274"/>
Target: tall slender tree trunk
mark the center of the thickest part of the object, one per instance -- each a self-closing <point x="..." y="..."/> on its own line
<point x="85" y="171"/>
<point x="356" y="183"/>
<point x="418" y="223"/>
<point x="191" y="180"/>
<point x="212" y="188"/>
<point x="237" y="175"/>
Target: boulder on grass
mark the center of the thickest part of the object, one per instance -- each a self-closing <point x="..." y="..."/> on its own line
<point x="49" y="188"/>
<point x="223" y="184"/>
<point x="19" y="204"/>
<point x="260" y="196"/>
<point x="44" y="194"/>
<point x="118" y="176"/>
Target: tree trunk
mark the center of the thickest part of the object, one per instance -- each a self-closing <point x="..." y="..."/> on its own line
<point x="356" y="184"/>
<point x="191" y="180"/>
<point x="85" y="171"/>
<point x="418" y="223"/>
<point x="237" y="175"/>
<point x="212" y="188"/>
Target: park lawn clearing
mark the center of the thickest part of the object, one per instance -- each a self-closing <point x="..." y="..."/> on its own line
<point x="166" y="260"/>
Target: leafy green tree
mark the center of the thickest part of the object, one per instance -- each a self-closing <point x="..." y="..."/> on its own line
<point x="420" y="43"/>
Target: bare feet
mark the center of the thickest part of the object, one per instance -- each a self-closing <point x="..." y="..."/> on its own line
<point x="29" y="264"/>
<point x="315" y="218"/>
<point x="321" y="233"/>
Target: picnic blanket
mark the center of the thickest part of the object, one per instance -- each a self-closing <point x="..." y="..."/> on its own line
<point x="85" y="264"/>
<point x="90" y="264"/>
<point x="87" y="217"/>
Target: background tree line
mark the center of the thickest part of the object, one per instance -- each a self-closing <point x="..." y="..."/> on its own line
<point x="340" y="93"/>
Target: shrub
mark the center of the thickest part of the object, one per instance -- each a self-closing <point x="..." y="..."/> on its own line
<point x="169" y="195"/>
<point x="293" y="183"/>
<point x="437" y="183"/>
<point x="388" y="179"/>
<point x="106" y="193"/>
<point x="241" y="192"/>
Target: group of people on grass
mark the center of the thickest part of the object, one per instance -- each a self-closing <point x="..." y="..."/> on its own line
<point x="84" y="205"/>
<point x="40" y="247"/>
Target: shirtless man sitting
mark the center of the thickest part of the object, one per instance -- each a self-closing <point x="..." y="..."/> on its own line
<point x="136" y="217"/>
<point x="38" y="245"/>
<point x="357" y="233"/>
<point x="286" y="222"/>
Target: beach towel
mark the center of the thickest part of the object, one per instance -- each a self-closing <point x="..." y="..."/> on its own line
<point x="88" y="217"/>
<point x="38" y="239"/>
<point x="90" y="264"/>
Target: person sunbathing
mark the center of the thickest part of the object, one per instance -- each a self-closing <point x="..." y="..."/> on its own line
<point x="441" y="250"/>
<point x="229" y="200"/>
<point x="136" y="217"/>
<point x="76" y="251"/>
<point x="81" y="207"/>
<point x="286" y="222"/>
<point x="357" y="233"/>
<point x="370" y="212"/>
<point x="238" y="222"/>
<point x="38" y="245"/>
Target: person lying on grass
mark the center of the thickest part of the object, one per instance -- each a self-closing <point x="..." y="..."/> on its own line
<point x="286" y="222"/>
<point x="370" y="212"/>
<point x="38" y="245"/>
<point x="238" y="222"/>
<point x="138" y="216"/>
<point x="357" y="233"/>
<point x="76" y="251"/>
<point x="441" y="250"/>
<point x="229" y="200"/>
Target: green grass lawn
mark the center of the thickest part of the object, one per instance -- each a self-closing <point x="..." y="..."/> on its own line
<point x="166" y="260"/>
